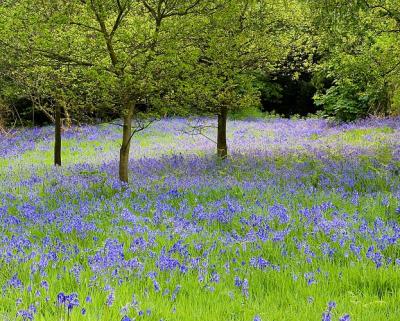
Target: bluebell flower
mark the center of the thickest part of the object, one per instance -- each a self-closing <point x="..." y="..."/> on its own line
<point x="156" y="285"/>
<point x="15" y="282"/>
<point x="110" y="299"/>
<point x="331" y="305"/>
<point x="32" y="308"/>
<point x="259" y="263"/>
<point x="326" y="316"/>
<point x="245" y="288"/>
<point x="61" y="298"/>
<point x="175" y="292"/>
<point x="214" y="277"/>
<point x="25" y="315"/>
<point x="238" y="281"/>
<point x="44" y="284"/>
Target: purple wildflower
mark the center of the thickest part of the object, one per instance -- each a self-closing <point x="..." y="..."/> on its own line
<point x="110" y="299"/>
<point x="245" y="288"/>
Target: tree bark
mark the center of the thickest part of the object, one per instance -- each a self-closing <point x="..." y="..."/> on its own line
<point x="126" y="145"/>
<point x="222" y="147"/>
<point x="57" y="137"/>
<point x="68" y="120"/>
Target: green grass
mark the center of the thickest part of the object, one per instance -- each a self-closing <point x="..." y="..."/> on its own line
<point x="355" y="191"/>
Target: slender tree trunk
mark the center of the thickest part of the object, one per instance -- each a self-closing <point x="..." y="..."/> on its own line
<point x="57" y="138"/>
<point x="68" y="121"/>
<point x="126" y="145"/>
<point x="222" y="147"/>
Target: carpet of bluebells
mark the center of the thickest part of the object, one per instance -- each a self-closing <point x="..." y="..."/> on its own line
<point x="300" y="223"/>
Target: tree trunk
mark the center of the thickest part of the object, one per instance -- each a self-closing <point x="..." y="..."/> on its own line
<point x="68" y="120"/>
<point x="57" y="138"/>
<point x="222" y="147"/>
<point x="126" y="145"/>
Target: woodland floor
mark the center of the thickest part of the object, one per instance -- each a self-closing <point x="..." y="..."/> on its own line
<point x="300" y="223"/>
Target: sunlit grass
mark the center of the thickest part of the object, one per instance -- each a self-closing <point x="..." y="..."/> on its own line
<point x="289" y="205"/>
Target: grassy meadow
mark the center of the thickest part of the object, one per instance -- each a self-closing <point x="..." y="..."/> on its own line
<point x="300" y="223"/>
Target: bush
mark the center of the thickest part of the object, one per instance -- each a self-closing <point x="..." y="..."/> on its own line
<point x="347" y="100"/>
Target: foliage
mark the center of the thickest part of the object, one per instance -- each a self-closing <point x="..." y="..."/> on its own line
<point x="189" y="58"/>
<point x="115" y="51"/>
<point x="228" y="47"/>
<point x="359" y="45"/>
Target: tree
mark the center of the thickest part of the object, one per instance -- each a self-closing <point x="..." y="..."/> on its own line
<point x="117" y="45"/>
<point x="360" y="47"/>
<point x="47" y="83"/>
<point x="233" y="44"/>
